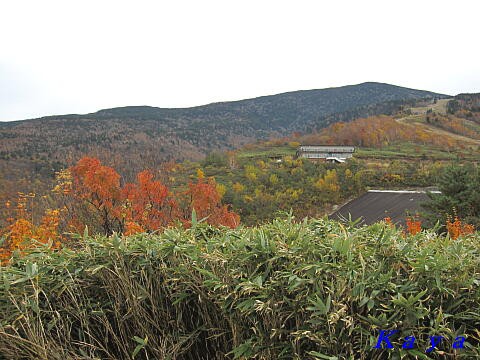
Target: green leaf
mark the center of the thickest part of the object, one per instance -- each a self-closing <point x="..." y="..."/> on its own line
<point x="140" y="340"/>
<point x="137" y="349"/>
<point x="194" y="218"/>
<point x="96" y="269"/>
<point x="20" y="280"/>
<point x="141" y="345"/>
<point x="322" y="356"/>
<point x="31" y="269"/>
<point x="320" y="306"/>
<point x="370" y="304"/>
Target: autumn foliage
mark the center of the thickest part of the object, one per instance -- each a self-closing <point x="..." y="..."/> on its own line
<point x="91" y="195"/>
<point x="21" y="233"/>
<point x="204" y="197"/>
<point x="455" y="227"/>
<point x="99" y="187"/>
<point x="414" y="225"/>
<point x="147" y="204"/>
<point x="376" y="131"/>
<point x="388" y="221"/>
<point x="458" y="228"/>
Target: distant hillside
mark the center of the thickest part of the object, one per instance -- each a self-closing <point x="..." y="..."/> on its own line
<point x="140" y="136"/>
<point x="466" y="106"/>
<point x="283" y="113"/>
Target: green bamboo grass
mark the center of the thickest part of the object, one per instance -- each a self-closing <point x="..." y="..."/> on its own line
<point x="284" y="290"/>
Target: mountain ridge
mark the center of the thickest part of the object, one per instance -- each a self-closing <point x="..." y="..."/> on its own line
<point x="270" y="95"/>
<point x="227" y="102"/>
<point x="138" y="137"/>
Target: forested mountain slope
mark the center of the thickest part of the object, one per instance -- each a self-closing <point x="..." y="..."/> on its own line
<point x="149" y="135"/>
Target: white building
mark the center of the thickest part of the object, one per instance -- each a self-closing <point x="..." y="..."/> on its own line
<point x="326" y="153"/>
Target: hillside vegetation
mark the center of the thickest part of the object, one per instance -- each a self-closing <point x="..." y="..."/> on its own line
<point x="392" y="152"/>
<point x="426" y="123"/>
<point x="408" y="149"/>
<point x="137" y="137"/>
<point x="284" y="290"/>
<point x="258" y="180"/>
<point x="165" y="270"/>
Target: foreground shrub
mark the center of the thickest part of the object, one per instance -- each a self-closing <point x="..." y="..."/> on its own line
<point x="284" y="290"/>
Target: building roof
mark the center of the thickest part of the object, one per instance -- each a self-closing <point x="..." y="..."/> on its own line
<point x="326" y="148"/>
<point x="376" y="205"/>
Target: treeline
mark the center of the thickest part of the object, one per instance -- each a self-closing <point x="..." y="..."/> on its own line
<point x="135" y="138"/>
<point x="459" y="197"/>
<point x="257" y="188"/>
<point x="465" y="105"/>
<point x="455" y="124"/>
<point x="376" y="132"/>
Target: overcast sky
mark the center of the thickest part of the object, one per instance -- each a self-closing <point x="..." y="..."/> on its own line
<point x="59" y="57"/>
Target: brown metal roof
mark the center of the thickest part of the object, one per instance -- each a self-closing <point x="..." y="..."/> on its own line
<point x="376" y="205"/>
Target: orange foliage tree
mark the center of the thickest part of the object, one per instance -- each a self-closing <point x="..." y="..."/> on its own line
<point x="99" y="187"/>
<point x="204" y="197"/>
<point x="376" y="131"/>
<point x="22" y="234"/>
<point x="458" y="228"/>
<point x="148" y="204"/>
<point x="93" y="195"/>
<point x="145" y="205"/>
<point x="414" y="225"/>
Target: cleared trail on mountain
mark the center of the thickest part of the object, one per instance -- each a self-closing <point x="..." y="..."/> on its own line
<point x="415" y="120"/>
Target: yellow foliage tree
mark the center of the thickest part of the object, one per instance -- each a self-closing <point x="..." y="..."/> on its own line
<point x="251" y="173"/>
<point x="329" y="182"/>
<point x="273" y="179"/>
<point x="22" y="234"/>
<point x="221" y="189"/>
<point x="238" y="188"/>
<point x="200" y="174"/>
